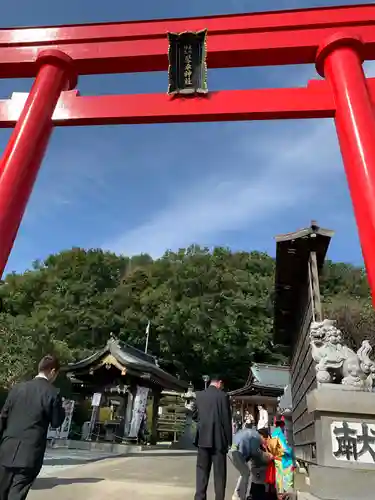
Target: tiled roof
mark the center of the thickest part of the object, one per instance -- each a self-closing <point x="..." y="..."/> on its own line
<point x="265" y="379"/>
<point x="133" y="359"/>
<point x="270" y="375"/>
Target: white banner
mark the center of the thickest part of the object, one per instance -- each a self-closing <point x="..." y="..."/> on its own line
<point x="96" y="399"/>
<point x="63" y="431"/>
<point x="139" y="409"/>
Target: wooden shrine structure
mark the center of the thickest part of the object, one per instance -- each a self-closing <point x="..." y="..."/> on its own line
<point x="299" y="261"/>
<point x="115" y="372"/>
<point x="265" y="385"/>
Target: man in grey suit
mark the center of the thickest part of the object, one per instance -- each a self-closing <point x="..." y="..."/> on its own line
<point x="24" y="420"/>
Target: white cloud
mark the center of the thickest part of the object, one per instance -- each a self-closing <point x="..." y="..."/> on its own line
<point x="287" y="170"/>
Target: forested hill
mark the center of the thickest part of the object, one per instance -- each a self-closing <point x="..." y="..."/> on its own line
<point x="210" y="311"/>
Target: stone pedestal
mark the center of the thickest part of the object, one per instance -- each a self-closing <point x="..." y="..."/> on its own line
<point x="186" y="440"/>
<point x="345" y="443"/>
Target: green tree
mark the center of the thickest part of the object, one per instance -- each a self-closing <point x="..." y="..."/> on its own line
<point x="210" y="310"/>
<point x="69" y="295"/>
<point x="346" y="299"/>
<point x="21" y="347"/>
<point x="15" y="346"/>
<point x="355" y="317"/>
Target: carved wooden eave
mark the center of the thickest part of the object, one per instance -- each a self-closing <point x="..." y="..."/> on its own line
<point x="293" y="251"/>
<point x="108" y="361"/>
<point x="127" y="360"/>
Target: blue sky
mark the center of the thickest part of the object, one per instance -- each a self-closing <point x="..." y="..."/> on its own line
<point x="135" y="189"/>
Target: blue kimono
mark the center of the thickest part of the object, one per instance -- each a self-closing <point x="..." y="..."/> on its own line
<point x="285" y="466"/>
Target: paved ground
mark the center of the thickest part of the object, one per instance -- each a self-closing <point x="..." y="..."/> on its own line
<point x="57" y="460"/>
<point x="154" y="474"/>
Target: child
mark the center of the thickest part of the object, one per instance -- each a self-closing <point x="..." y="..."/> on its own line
<point x="247" y="446"/>
<point x="263" y="476"/>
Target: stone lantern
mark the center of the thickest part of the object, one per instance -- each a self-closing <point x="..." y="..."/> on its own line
<point x="187" y="438"/>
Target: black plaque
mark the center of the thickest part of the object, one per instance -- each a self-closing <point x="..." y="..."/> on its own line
<point x="187" y="72"/>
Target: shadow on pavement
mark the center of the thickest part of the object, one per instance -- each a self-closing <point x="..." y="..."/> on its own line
<point x="64" y="460"/>
<point x="165" y="454"/>
<point x="46" y="483"/>
<point x="69" y="461"/>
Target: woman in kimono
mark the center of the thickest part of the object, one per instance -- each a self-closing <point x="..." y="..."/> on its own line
<point x="284" y="463"/>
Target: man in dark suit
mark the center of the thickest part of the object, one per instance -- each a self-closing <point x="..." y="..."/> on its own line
<point x="214" y="438"/>
<point x="24" y="420"/>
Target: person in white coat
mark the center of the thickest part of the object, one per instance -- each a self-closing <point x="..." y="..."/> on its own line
<point x="263" y="418"/>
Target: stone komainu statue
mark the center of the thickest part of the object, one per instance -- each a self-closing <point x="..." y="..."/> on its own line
<point x="338" y="364"/>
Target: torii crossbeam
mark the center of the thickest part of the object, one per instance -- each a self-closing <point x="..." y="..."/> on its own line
<point x="336" y="39"/>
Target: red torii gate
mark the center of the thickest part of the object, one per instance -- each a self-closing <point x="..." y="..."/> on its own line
<point x="336" y="39"/>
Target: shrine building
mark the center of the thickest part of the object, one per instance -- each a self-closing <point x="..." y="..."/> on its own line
<point x="119" y="373"/>
<point x="264" y="386"/>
